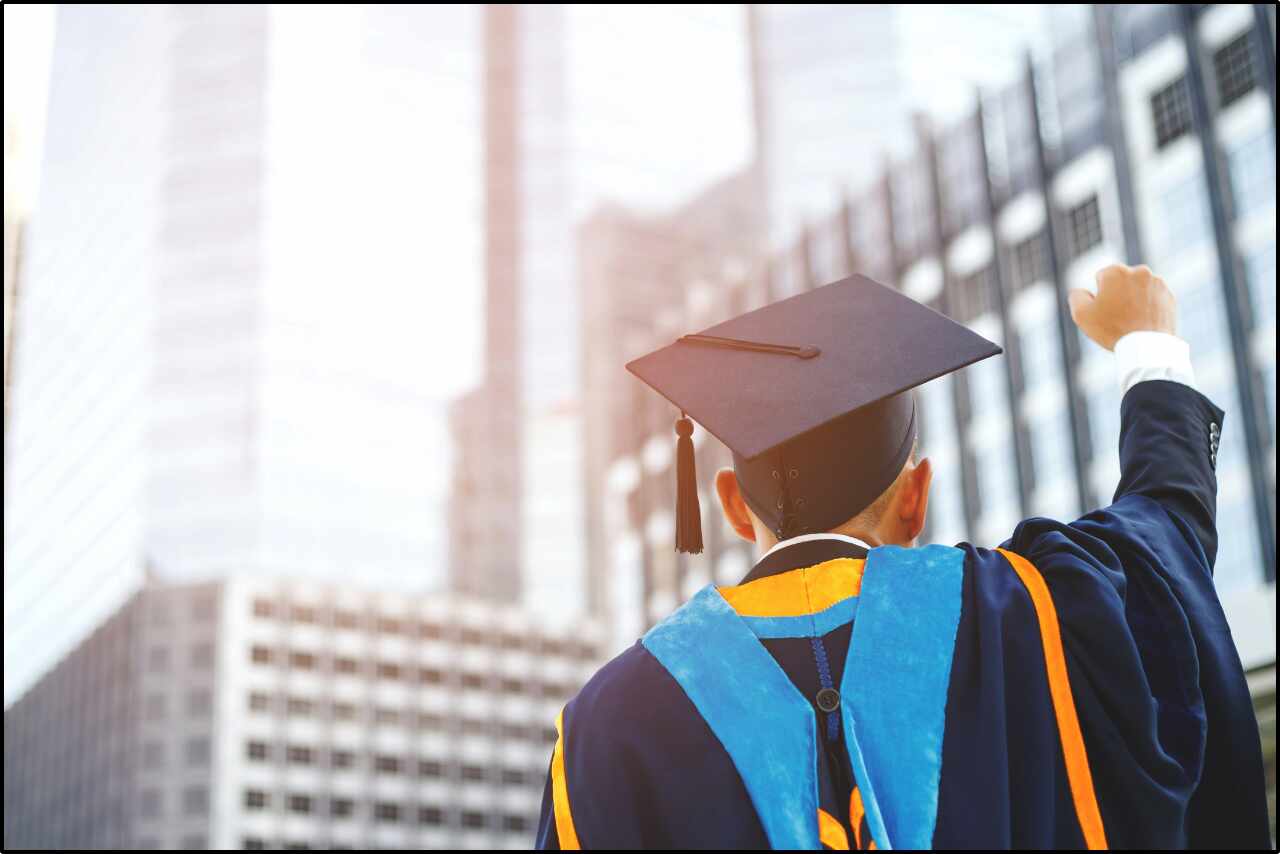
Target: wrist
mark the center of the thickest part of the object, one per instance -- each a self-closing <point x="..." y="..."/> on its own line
<point x="1151" y="355"/>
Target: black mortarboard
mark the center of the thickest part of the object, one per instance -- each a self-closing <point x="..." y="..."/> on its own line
<point x="812" y="396"/>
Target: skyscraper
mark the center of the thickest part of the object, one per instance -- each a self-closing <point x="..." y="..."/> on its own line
<point x="835" y="86"/>
<point x="500" y="486"/>
<point x="223" y="367"/>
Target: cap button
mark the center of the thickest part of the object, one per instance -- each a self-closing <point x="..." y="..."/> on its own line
<point x="828" y="699"/>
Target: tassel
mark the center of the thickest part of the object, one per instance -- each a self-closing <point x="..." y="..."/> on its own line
<point x="688" y="515"/>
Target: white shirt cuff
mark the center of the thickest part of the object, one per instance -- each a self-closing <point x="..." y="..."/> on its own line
<point x="1147" y="355"/>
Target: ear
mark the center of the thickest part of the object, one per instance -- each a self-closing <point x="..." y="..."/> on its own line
<point x="913" y="500"/>
<point x="735" y="509"/>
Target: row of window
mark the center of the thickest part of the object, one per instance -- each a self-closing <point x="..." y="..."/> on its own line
<point x="1235" y="74"/>
<point x="342" y="711"/>
<point x="396" y="672"/>
<point x="396" y="626"/>
<point x="339" y="759"/>
<point x="384" y="811"/>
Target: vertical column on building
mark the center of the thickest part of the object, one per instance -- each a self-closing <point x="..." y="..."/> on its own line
<point x="1254" y="417"/>
<point x="1013" y="373"/>
<point x="959" y="390"/>
<point x="1068" y="340"/>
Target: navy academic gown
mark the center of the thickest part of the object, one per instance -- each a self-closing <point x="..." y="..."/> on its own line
<point x="1076" y="687"/>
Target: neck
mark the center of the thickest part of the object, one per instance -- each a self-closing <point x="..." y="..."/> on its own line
<point x="774" y="544"/>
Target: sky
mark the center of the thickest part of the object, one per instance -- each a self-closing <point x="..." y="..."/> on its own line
<point x="650" y="128"/>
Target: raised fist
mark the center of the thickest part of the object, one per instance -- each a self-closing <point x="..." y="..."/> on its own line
<point x="1129" y="299"/>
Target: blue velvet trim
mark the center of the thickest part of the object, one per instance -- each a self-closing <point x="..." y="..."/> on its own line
<point x="895" y="685"/>
<point x="765" y="725"/>
<point x="805" y="625"/>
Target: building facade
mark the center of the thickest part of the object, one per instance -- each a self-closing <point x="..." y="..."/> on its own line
<point x="281" y="714"/>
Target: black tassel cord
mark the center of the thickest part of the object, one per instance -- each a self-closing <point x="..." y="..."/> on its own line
<point x="688" y="514"/>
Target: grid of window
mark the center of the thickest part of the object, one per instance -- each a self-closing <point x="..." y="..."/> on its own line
<point x="384" y="811"/>
<point x="1084" y="222"/>
<point x="1252" y="165"/>
<point x="1030" y="261"/>
<point x="394" y="672"/>
<point x="263" y="608"/>
<point x="1233" y="68"/>
<point x="386" y="716"/>
<point x="1171" y="112"/>
<point x="975" y="295"/>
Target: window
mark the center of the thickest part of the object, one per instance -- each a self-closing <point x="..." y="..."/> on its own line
<point x="256" y="799"/>
<point x="298" y="754"/>
<point x="429" y="631"/>
<point x="430" y="768"/>
<point x="257" y="751"/>
<point x="386" y="811"/>
<point x="472" y="819"/>
<point x="158" y="660"/>
<point x="472" y="680"/>
<point x="384" y="764"/>
<point x="260" y="655"/>
<point x="197" y="751"/>
<point x="389" y="670"/>
<point x="1171" y="112"/>
<point x="259" y="702"/>
<point x="151" y="803"/>
<point x="302" y="661"/>
<point x="430" y="815"/>
<point x="386" y="716"/>
<point x="345" y="620"/>
<point x="1085" y="225"/>
<point x="1252" y="166"/>
<point x="515" y="823"/>
<point x="1233" y="68"/>
<point x="156" y="707"/>
<point x="342" y="807"/>
<point x="975" y="292"/>
<point x="429" y="720"/>
<point x="300" y="803"/>
<point x="389" y="626"/>
<point x="343" y="664"/>
<point x="195" y="800"/>
<point x="473" y="637"/>
<point x="511" y="685"/>
<point x="1030" y="262"/>
<point x="253" y="843"/>
<point x="472" y="773"/>
<point x="430" y="676"/>
<point x="152" y="755"/>
<point x="513" y="776"/>
<point x="344" y="711"/>
<point x="301" y="707"/>
<point x="1184" y="218"/>
<point x="263" y="608"/>
<point x="199" y="703"/>
<point x="302" y="614"/>
<point x="342" y="759"/>
<point x="203" y="607"/>
<point x="202" y="656"/>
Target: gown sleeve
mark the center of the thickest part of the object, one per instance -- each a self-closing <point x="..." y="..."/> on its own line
<point x="1096" y="694"/>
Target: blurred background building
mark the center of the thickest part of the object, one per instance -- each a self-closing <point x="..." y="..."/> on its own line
<point x="318" y="332"/>
<point x="289" y="714"/>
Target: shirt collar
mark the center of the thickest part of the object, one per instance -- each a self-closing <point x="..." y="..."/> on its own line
<point x="806" y="550"/>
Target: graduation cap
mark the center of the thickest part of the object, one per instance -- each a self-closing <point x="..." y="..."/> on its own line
<point x="812" y="394"/>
